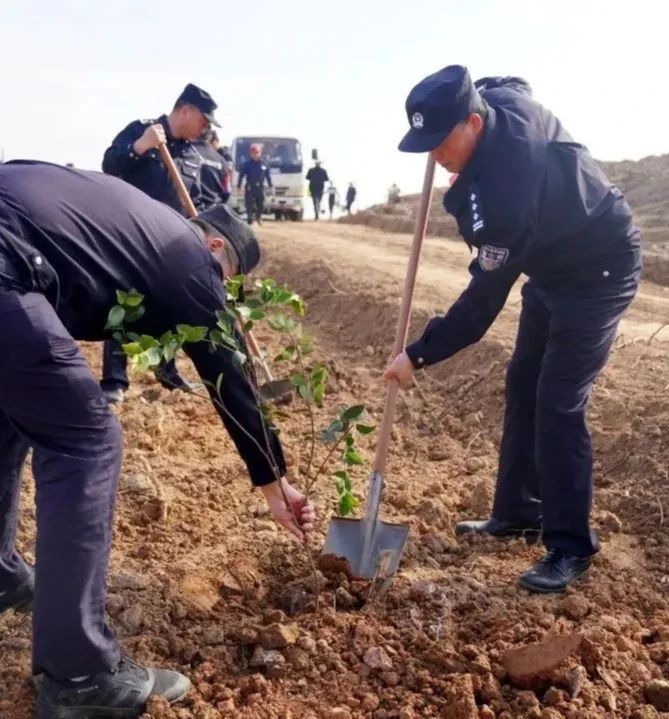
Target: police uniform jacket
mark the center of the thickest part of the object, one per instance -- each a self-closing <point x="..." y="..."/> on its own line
<point x="530" y="200"/>
<point x="255" y="172"/>
<point x="147" y="172"/>
<point x="77" y="237"/>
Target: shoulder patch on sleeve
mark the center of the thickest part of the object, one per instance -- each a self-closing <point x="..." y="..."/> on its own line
<point x="492" y="258"/>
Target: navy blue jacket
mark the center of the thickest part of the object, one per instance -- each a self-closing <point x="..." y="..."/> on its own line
<point x="317" y="176"/>
<point x="147" y="172"/>
<point x="532" y="201"/>
<point x="77" y="237"/>
<point x="213" y="175"/>
<point x="255" y="172"/>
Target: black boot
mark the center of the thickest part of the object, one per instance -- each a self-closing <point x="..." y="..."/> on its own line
<point x="121" y="694"/>
<point x="554" y="572"/>
<point x="496" y="528"/>
<point x="20" y="598"/>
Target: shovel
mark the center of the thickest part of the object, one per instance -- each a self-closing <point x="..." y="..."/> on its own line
<point x="371" y="547"/>
<point x="279" y="391"/>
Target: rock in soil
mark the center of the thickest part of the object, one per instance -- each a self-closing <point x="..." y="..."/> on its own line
<point x="531" y="662"/>
<point x="278" y="636"/>
<point x="657" y="693"/>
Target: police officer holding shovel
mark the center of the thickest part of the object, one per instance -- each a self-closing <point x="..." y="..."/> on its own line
<point x="529" y="200"/>
<point x="68" y="240"/>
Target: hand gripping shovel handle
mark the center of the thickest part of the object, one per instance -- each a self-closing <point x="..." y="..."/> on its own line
<point x="187" y="202"/>
<point x="405" y="314"/>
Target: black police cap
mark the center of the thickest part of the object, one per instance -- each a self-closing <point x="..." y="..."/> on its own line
<point x="240" y="235"/>
<point x="436" y="105"/>
<point x="193" y="95"/>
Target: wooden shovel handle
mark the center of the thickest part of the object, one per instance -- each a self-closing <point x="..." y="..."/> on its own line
<point x="405" y="314"/>
<point x="187" y="202"/>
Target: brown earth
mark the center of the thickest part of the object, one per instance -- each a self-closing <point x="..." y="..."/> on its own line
<point x="203" y="581"/>
<point x="644" y="182"/>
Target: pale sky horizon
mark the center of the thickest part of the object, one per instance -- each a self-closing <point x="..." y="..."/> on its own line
<point x="334" y="76"/>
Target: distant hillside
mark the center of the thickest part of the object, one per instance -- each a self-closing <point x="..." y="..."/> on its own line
<point x="645" y="184"/>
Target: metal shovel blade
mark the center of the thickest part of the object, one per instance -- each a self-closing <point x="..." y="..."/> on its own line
<point x="279" y="391"/>
<point x="372" y="548"/>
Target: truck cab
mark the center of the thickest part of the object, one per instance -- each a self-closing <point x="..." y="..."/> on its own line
<point x="283" y="157"/>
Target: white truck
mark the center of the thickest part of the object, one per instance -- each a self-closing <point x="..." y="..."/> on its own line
<point x="283" y="156"/>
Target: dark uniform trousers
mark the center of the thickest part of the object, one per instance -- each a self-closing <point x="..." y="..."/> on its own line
<point x="564" y="337"/>
<point x="50" y="401"/>
<point x="254" y="199"/>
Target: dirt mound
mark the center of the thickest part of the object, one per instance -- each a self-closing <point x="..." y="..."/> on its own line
<point x="202" y="580"/>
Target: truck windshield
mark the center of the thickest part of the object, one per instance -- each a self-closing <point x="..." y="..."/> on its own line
<point x="282" y="153"/>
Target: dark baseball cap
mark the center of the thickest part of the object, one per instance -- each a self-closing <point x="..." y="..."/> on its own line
<point x="436" y="105"/>
<point x="193" y="95"/>
<point x="240" y="235"/>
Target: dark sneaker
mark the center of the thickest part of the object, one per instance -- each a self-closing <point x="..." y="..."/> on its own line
<point x="503" y="530"/>
<point x="554" y="572"/>
<point x="21" y="597"/>
<point x="121" y="694"/>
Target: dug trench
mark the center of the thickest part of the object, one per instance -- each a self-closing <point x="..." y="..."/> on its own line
<point x="202" y="579"/>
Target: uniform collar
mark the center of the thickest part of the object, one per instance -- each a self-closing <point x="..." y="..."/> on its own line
<point x="168" y="133"/>
<point x="460" y="188"/>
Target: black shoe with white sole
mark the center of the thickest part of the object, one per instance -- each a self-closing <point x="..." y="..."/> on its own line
<point x="120" y="694"/>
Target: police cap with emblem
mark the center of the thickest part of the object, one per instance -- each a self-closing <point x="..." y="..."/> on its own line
<point x="436" y="105"/>
<point x="193" y="95"/>
<point x="240" y="235"/>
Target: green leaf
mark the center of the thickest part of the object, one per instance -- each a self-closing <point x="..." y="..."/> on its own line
<point x="170" y="349"/>
<point x="330" y="434"/>
<point x="121" y="297"/>
<point x="286" y="354"/>
<point x="351" y="457"/>
<point x="319" y="394"/>
<point x="132" y="314"/>
<point x="349" y="441"/>
<point x="147" y="342"/>
<point x="342" y="474"/>
<point x="257" y="315"/>
<point x="115" y="317"/>
<point x="365" y="428"/>
<point x="192" y="334"/>
<point x="347" y="504"/>
<point x="131" y="348"/>
<point x="306" y="393"/>
<point x="219" y="380"/>
<point x="154" y="356"/>
<point x="354" y="413"/>
<point x="298" y="380"/>
<point x="247" y="327"/>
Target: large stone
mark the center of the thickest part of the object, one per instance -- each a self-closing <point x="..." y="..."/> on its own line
<point x="376" y="658"/>
<point x="536" y="661"/>
<point x="575" y="606"/>
<point x="657" y="693"/>
<point x="266" y="658"/>
<point x="278" y="636"/>
<point x="460" y="701"/>
<point x="128" y="580"/>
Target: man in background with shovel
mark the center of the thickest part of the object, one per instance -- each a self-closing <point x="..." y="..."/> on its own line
<point x="64" y="239"/>
<point x="531" y="201"/>
<point x="133" y="156"/>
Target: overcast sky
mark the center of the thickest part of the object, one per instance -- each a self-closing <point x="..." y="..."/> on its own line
<point x="335" y="75"/>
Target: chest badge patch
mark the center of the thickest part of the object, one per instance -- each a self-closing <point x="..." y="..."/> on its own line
<point x="492" y="258"/>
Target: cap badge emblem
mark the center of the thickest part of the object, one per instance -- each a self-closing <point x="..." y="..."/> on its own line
<point x="417" y="121"/>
